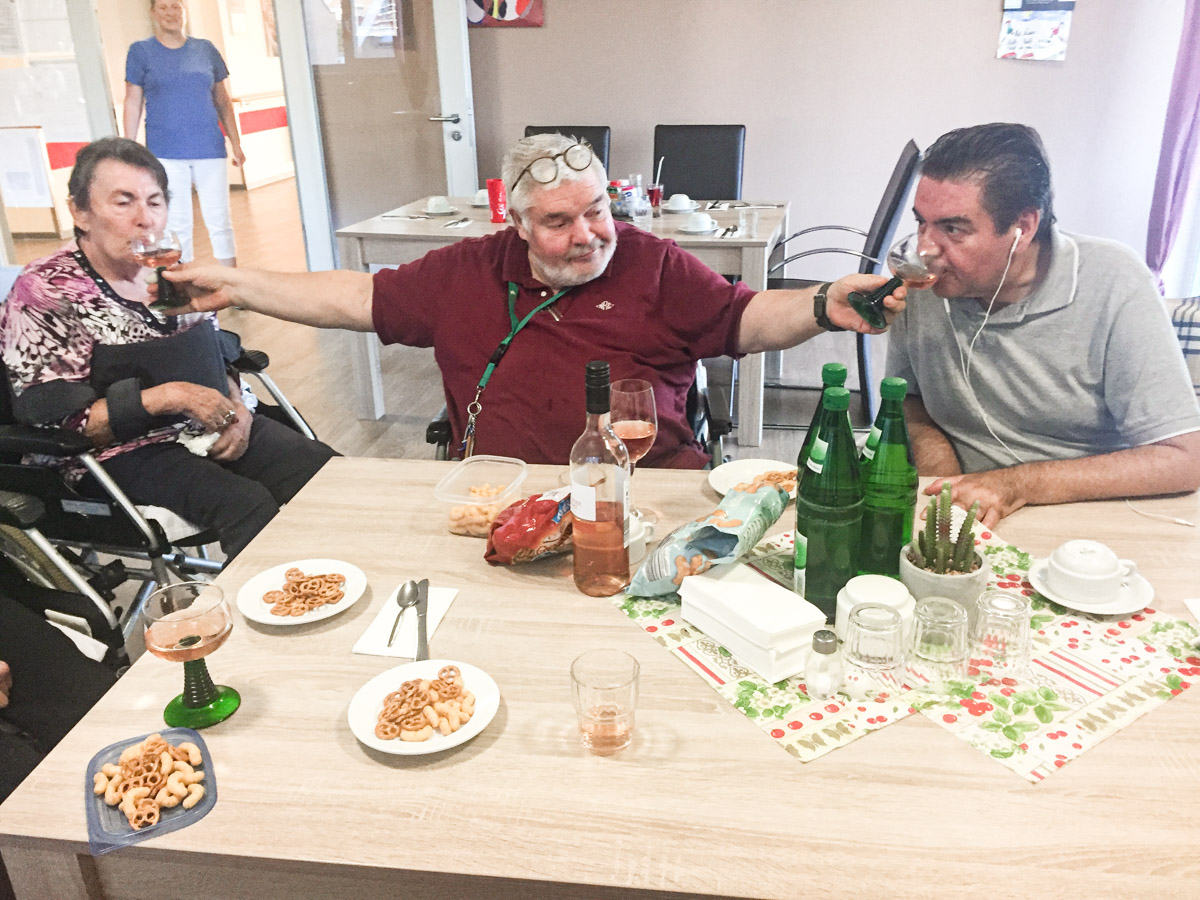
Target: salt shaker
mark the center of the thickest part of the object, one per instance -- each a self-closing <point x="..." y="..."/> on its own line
<point x="824" y="676"/>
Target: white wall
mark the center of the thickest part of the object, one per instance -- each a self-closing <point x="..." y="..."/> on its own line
<point x="829" y="90"/>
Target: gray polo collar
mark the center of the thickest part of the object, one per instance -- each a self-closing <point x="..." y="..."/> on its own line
<point x="1055" y="291"/>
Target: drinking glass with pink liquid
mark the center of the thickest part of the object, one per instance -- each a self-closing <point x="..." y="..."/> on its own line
<point x="635" y="421"/>
<point x="184" y="623"/>
<point x="908" y="266"/>
<point x="604" y="688"/>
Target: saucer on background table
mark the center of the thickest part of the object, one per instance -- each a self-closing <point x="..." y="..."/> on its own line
<point x="483" y="205"/>
<point x="452" y="211"/>
<point x="712" y="230"/>
<point x="1133" y="596"/>
<point x="738" y="471"/>
<point x="691" y="207"/>
<point x="363" y="714"/>
<point x="250" y="597"/>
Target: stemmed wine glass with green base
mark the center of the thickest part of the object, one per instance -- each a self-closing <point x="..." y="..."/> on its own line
<point x="908" y="266"/>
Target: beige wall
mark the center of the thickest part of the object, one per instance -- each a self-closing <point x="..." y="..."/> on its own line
<point x="829" y="90"/>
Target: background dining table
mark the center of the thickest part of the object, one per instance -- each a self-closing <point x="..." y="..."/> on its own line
<point x="702" y="803"/>
<point x="406" y="234"/>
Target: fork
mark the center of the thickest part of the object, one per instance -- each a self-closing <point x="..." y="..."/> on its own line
<point x="457" y="222"/>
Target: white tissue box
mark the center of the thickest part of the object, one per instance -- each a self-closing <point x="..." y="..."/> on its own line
<point x="765" y="626"/>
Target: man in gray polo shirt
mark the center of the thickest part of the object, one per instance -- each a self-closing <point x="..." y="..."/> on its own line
<point x="1042" y="366"/>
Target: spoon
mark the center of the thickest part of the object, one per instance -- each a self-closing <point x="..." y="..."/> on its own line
<point x="406" y="597"/>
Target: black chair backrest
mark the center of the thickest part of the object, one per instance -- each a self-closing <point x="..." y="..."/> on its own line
<point x="599" y="136"/>
<point x="702" y="161"/>
<point x="883" y="227"/>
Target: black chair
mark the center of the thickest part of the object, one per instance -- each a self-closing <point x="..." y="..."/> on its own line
<point x="599" y="136"/>
<point x="710" y="420"/>
<point x="702" y="161"/>
<point x="877" y="239"/>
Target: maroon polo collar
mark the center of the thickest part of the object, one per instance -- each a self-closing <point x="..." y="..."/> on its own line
<point x="514" y="261"/>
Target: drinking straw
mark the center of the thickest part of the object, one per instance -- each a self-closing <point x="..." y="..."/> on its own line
<point x="658" y="171"/>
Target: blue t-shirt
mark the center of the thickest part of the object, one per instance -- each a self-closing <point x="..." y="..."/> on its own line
<point x="181" y="118"/>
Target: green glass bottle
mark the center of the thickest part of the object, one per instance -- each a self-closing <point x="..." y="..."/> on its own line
<point x="889" y="485"/>
<point x="829" y="500"/>
<point x="832" y="375"/>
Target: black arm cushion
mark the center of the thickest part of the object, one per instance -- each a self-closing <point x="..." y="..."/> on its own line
<point x="20" y="510"/>
<point x="44" y="441"/>
<point x="252" y="361"/>
<point x="438" y="430"/>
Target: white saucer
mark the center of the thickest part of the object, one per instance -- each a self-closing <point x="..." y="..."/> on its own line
<point x="452" y="211"/>
<point x="704" y="231"/>
<point x="695" y="205"/>
<point x="1133" y="596"/>
<point x="480" y="205"/>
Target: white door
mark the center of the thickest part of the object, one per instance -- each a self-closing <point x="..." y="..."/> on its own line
<point x="380" y="108"/>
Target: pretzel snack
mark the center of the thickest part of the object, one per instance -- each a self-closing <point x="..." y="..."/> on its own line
<point x="303" y="593"/>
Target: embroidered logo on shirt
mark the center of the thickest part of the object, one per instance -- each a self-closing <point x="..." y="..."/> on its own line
<point x="605" y="305"/>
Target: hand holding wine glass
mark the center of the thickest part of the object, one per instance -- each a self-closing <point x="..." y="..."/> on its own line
<point x="184" y="623"/>
<point x="160" y="250"/>
<point x="909" y="266"/>
<point x="634" y="419"/>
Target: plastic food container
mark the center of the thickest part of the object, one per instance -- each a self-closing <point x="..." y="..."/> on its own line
<point x="765" y="626"/>
<point x="477" y="488"/>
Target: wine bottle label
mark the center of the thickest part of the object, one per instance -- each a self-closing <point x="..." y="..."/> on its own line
<point x="872" y="443"/>
<point x="816" y="455"/>
<point x="801" y="559"/>
<point x="583" y="502"/>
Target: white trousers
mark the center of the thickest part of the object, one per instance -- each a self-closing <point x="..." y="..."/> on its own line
<point x="212" y="186"/>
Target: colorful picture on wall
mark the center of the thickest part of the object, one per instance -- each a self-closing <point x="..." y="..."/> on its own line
<point x="1035" y="29"/>
<point x="505" y="13"/>
<point x="272" y="39"/>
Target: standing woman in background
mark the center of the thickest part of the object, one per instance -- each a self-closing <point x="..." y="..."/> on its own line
<point x="183" y="85"/>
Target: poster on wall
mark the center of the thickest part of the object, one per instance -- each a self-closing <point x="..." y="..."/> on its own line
<point x="268" y="16"/>
<point x="505" y="13"/>
<point x="1035" y="29"/>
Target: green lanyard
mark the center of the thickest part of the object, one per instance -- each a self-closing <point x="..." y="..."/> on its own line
<point x="474" y="408"/>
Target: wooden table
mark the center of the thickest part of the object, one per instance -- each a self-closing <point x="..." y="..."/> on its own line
<point x="701" y="803"/>
<point x="391" y="240"/>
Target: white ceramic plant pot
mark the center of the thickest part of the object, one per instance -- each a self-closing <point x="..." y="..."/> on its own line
<point x="921" y="583"/>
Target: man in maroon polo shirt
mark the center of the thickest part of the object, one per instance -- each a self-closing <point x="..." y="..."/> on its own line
<point x="641" y="303"/>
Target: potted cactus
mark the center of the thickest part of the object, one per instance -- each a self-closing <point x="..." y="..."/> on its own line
<point x="933" y="565"/>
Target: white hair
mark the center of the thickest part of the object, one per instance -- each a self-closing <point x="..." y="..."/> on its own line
<point x="539" y="146"/>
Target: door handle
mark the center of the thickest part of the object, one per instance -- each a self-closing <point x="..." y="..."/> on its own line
<point x="454" y="117"/>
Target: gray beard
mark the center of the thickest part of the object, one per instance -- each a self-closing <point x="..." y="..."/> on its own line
<point x="562" y="276"/>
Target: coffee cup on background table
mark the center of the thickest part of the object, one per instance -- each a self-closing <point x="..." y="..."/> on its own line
<point x="481" y="197"/>
<point x="701" y="222"/>
<point x="679" y="201"/>
<point x="1087" y="572"/>
<point x="437" y="205"/>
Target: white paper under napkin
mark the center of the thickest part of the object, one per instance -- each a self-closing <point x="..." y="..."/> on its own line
<point x="1193" y="606"/>
<point x="375" y="638"/>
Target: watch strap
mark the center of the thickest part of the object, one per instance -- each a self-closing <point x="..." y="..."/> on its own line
<point x="820" y="299"/>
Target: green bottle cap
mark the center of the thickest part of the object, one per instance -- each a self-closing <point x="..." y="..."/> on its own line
<point x="893" y="388"/>
<point x="837" y="399"/>
<point x="833" y="375"/>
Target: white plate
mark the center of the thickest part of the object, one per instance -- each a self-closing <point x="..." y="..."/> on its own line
<point x="483" y="205"/>
<point x="250" y="597"/>
<point x="680" y="209"/>
<point x="1133" y="596"/>
<point x="452" y="211"/>
<point x="736" y="471"/>
<point x="363" y="713"/>
<point x="715" y="228"/>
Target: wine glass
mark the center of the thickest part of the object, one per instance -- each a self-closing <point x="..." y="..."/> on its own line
<point x="184" y="623"/>
<point x="635" y="421"/>
<point x="160" y="250"/>
<point x="909" y="266"/>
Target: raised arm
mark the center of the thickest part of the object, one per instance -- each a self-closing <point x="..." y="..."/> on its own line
<point x="135" y="104"/>
<point x="337" y="299"/>
<point x="932" y="451"/>
<point x="1165" y="467"/>
<point x="224" y="104"/>
<point x="777" y="320"/>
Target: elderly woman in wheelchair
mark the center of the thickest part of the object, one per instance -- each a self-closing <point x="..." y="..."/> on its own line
<point x="152" y="391"/>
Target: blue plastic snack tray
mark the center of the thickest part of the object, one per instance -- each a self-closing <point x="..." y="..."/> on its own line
<point x="109" y="830"/>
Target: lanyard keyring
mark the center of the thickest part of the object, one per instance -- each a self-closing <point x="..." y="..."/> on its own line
<point x="474" y="408"/>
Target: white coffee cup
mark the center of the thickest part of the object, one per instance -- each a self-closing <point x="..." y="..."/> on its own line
<point x="1087" y="572"/>
<point x="481" y="197"/>
<point x="874" y="589"/>
<point x="701" y="222"/>
<point x="679" y="201"/>
<point x="437" y="205"/>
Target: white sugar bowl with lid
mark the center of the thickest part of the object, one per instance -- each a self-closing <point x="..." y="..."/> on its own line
<point x="875" y="589"/>
<point x="766" y="627"/>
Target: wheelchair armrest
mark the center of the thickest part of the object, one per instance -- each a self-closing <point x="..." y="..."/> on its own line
<point x="253" y="361"/>
<point x="44" y="441"/>
<point x="20" y="510"/>
<point x="438" y="432"/>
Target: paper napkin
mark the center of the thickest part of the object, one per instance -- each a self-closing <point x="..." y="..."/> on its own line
<point x="374" y="640"/>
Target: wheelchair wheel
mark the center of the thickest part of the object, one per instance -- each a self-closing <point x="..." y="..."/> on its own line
<point x="33" y="563"/>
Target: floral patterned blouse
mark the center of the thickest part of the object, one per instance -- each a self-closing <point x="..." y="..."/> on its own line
<point x="58" y="311"/>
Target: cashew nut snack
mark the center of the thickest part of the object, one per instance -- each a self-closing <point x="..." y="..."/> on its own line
<point x="303" y="593"/>
<point x="151" y="776"/>
<point x="418" y="708"/>
<point x="475" y="519"/>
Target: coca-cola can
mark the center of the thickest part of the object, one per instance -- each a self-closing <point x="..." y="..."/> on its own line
<point x="497" y="200"/>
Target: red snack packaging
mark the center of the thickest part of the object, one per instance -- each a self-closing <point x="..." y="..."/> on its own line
<point x="530" y="528"/>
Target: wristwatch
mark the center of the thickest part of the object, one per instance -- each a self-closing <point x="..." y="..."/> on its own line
<point x="819" y="301"/>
